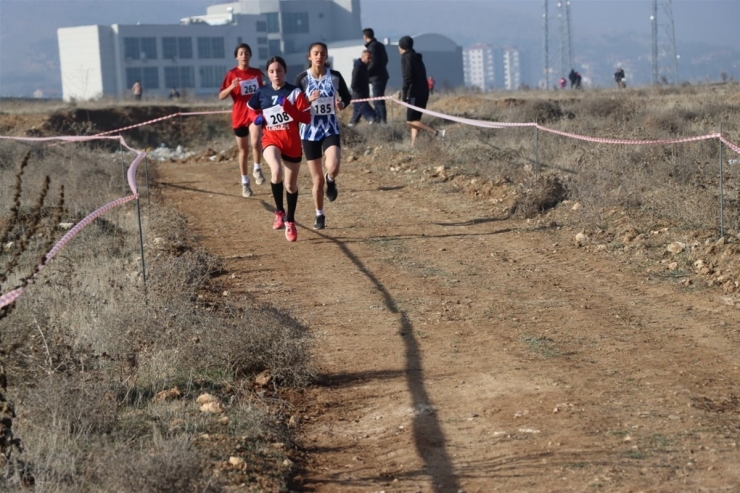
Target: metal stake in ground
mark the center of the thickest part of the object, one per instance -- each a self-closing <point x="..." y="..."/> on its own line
<point x="141" y="244"/>
<point x="536" y="151"/>
<point x="721" y="189"/>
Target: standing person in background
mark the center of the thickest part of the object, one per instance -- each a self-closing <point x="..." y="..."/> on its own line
<point x="619" y="78"/>
<point x="136" y="89"/>
<point x="430" y="83"/>
<point x="327" y="92"/>
<point x="360" y="86"/>
<point x="415" y="90"/>
<point x="280" y="107"/>
<point x="241" y="83"/>
<point x="377" y="71"/>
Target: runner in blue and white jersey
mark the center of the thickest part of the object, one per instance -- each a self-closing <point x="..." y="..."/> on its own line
<point x="327" y="93"/>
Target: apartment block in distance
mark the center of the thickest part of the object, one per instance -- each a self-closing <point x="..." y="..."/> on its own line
<point x="489" y="68"/>
<point x="194" y="55"/>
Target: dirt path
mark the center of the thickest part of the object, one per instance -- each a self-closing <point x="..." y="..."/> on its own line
<point x="461" y="351"/>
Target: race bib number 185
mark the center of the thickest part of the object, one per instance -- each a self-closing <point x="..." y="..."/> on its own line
<point x="323" y="106"/>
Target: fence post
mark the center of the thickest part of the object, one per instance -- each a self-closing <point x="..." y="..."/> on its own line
<point x="536" y="151"/>
<point x="141" y="243"/>
<point x="721" y="189"/>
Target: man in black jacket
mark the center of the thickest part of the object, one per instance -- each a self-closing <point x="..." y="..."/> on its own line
<point x="415" y="90"/>
<point x="377" y="71"/>
<point x="360" y="86"/>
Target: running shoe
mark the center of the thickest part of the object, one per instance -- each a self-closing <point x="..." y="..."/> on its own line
<point x="320" y="222"/>
<point x="279" y="220"/>
<point x="259" y="178"/>
<point x="331" y="189"/>
<point x="246" y="191"/>
<point x="291" y="233"/>
<point x="441" y="133"/>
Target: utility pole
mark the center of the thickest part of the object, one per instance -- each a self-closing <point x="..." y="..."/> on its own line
<point x="570" y="33"/>
<point x="654" y="23"/>
<point x="561" y="18"/>
<point x="545" y="54"/>
<point x="671" y="28"/>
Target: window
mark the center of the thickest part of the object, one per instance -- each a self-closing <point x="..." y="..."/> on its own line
<point x="261" y="27"/>
<point x="262" y="40"/>
<point x="262" y="53"/>
<point x="179" y="77"/>
<point x="169" y="48"/>
<point x="212" y="76"/>
<point x="274" y="47"/>
<point x="148" y="48"/>
<point x="273" y="23"/>
<point x="289" y="46"/>
<point x="211" y="48"/>
<point x="295" y="22"/>
<point x="185" y="48"/>
<point x="132" y="75"/>
<point x="131" y="49"/>
<point x="217" y="48"/>
<point x="150" y="77"/>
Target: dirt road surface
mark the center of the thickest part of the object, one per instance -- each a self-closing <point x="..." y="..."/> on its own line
<point x="461" y="350"/>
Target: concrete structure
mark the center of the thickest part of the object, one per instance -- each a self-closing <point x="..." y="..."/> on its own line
<point x="99" y="61"/>
<point x="488" y="68"/>
<point x="442" y="58"/>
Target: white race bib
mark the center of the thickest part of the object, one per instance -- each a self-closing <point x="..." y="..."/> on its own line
<point x="249" y="86"/>
<point x="276" y="116"/>
<point x="323" y="106"/>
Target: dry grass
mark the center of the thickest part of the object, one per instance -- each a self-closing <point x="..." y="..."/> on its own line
<point x="87" y="348"/>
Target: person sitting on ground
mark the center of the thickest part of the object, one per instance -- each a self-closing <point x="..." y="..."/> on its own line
<point x="360" y="86"/>
<point x="174" y="93"/>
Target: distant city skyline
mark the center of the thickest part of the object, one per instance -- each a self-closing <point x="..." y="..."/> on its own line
<point x="604" y="32"/>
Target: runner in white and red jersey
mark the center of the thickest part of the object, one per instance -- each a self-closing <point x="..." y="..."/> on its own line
<point x="279" y="108"/>
<point x="241" y="83"/>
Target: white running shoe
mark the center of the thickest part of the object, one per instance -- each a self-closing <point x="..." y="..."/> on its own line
<point x="246" y="191"/>
<point x="441" y="133"/>
<point x="259" y="178"/>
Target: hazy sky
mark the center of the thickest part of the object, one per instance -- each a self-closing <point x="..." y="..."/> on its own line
<point x="29" y="52"/>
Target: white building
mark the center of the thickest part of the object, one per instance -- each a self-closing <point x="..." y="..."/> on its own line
<point x="488" y="68"/>
<point x="194" y="56"/>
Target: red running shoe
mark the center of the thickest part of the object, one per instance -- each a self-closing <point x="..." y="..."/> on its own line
<point x="279" y="220"/>
<point x="291" y="233"/>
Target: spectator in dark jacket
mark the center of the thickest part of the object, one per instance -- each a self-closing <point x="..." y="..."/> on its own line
<point x="415" y="90"/>
<point x="360" y="86"/>
<point x="377" y="71"/>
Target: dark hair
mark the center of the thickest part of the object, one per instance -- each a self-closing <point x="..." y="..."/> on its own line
<point x="406" y="43"/>
<point x="326" y="49"/>
<point x="278" y="60"/>
<point x="368" y="32"/>
<point x="242" y="45"/>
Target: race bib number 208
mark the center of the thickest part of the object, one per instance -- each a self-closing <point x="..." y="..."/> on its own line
<point x="275" y="116"/>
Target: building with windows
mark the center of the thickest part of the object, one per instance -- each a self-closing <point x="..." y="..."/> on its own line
<point x="442" y="60"/>
<point x="488" y="68"/>
<point x="193" y="56"/>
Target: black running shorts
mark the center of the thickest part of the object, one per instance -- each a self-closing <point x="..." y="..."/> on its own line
<point x="315" y="149"/>
<point x="413" y="115"/>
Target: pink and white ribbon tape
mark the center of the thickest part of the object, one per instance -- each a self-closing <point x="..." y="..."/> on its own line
<point x="13" y="295"/>
<point x="9" y="297"/>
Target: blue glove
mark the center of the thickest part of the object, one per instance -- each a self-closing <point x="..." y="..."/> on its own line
<point x="259" y="120"/>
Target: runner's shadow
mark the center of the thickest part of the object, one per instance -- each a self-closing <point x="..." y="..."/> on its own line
<point x="429" y="438"/>
<point x="193" y="189"/>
